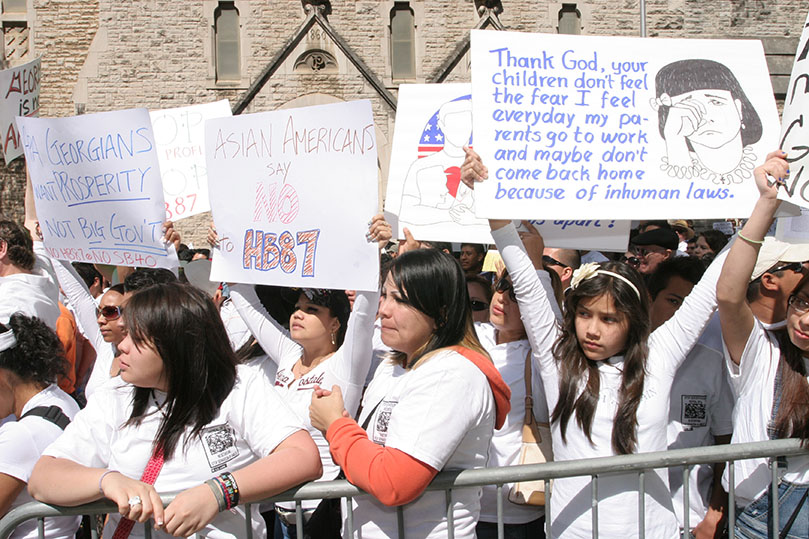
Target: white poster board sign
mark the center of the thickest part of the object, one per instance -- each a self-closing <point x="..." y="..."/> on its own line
<point x="180" y="138"/>
<point x="97" y="188"/>
<point x="301" y="188"/>
<point x="793" y="229"/>
<point x="425" y="194"/>
<point x="576" y="127"/>
<point x="20" y="97"/>
<point x="795" y="126"/>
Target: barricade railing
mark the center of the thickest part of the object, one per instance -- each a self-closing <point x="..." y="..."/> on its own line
<point x="448" y="481"/>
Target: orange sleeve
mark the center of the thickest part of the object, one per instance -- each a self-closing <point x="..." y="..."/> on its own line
<point x="393" y="477"/>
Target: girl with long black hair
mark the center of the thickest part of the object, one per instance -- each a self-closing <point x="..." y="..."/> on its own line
<point x="184" y="418"/>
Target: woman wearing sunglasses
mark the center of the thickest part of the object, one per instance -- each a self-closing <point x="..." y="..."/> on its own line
<point x="768" y="369"/>
<point x="480" y="297"/>
<point x="504" y="339"/>
<point x="99" y="323"/>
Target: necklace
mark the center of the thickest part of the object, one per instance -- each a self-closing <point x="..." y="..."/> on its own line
<point x="299" y="369"/>
<point x="742" y="171"/>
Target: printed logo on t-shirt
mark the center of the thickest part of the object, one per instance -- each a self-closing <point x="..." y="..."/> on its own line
<point x="382" y="421"/>
<point x="219" y="442"/>
<point x="283" y="378"/>
<point x="694" y="411"/>
<point x="310" y="381"/>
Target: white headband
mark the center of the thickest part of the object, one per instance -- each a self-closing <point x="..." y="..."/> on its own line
<point x="591" y="269"/>
<point x="7" y="340"/>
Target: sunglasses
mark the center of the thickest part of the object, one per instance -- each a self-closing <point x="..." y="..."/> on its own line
<point x="797" y="267"/>
<point x="478" y="305"/>
<point x="632" y="261"/>
<point x="798" y="304"/>
<point x="110" y="312"/>
<point x="549" y="260"/>
<point x="503" y="286"/>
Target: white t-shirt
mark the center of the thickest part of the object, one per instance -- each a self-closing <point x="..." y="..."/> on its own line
<point x="32" y="294"/>
<point x="509" y="358"/>
<point x="242" y="433"/>
<point x="347" y="368"/>
<point x="701" y="408"/>
<point x="21" y="444"/>
<point x="753" y="380"/>
<point x="668" y="347"/>
<point x="441" y="413"/>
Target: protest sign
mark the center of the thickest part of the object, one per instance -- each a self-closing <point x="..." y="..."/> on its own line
<point x="591" y="127"/>
<point x="180" y="138"/>
<point x="795" y="126"/>
<point x="425" y="194"/>
<point x="20" y="97"/>
<point x="301" y="186"/>
<point x="793" y="229"/>
<point x="97" y="189"/>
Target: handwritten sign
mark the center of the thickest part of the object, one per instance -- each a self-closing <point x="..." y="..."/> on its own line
<point x="795" y="126"/>
<point x="97" y="189"/>
<point x="179" y="137"/>
<point x="425" y="194"/>
<point x="793" y="229"/>
<point x="605" y="127"/>
<point x="20" y="97"/>
<point x="301" y="187"/>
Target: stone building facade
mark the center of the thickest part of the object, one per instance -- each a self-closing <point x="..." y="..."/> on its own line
<point x="100" y="55"/>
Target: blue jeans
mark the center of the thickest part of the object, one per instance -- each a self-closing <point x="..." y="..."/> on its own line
<point x="530" y="530"/>
<point x="755" y="521"/>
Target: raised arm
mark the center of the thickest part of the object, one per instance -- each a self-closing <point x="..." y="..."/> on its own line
<point x="80" y="299"/>
<point x="272" y="337"/>
<point x="734" y="313"/>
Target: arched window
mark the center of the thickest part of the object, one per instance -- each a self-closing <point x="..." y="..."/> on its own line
<point x="402" y="41"/>
<point x="569" y="19"/>
<point x="226" y="32"/>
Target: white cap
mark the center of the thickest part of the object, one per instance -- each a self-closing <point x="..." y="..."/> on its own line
<point x="774" y="251"/>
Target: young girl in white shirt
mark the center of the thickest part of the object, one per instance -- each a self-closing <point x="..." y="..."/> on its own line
<point x="607" y="380"/>
<point x="31" y="358"/>
<point x="431" y="406"/>
<point x="768" y="369"/>
<point x="184" y="418"/>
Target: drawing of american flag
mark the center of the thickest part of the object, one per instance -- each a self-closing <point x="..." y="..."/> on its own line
<point x="432" y="138"/>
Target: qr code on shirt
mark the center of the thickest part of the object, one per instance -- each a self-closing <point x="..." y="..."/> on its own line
<point x="694" y="410"/>
<point x="382" y="421"/>
<point x="219" y="443"/>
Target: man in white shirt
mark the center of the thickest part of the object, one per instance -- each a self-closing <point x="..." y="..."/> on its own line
<point x="701" y="402"/>
<point x="778" y="270"/>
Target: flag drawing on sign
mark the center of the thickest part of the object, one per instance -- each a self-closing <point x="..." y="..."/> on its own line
<point x="432" y="191"/>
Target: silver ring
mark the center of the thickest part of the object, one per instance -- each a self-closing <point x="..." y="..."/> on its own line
<point x="134" y="500"/>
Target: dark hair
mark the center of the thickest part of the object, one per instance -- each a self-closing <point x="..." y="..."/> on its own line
<point x="575" y="370"/>
<point x="337" y="303"/>
<point x="143" y="277"/>
<point x="438" y="245"/>
<point x="484" y="283"/>
<point x="250" y="349"/>
<point x="88" y="273"/>
<point x="689" y="75"/>
<point x="183" y="326"/>
<point x="277" y="301"/>
<point x="685" y="267"/>
<point x="478" y="247"/>
<point x="119" y="288"/>
<point x="715" y="239"/>
<point x="205" y="252"/>
<point x="38" y="355"/>
<point x="184" y="254"/>
<point x="792" y="419"/>
<point x="19" y="244"/>
<point x="433" y="282"/>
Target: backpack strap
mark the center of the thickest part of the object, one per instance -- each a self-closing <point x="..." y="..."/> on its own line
<point x="54" y="414"/>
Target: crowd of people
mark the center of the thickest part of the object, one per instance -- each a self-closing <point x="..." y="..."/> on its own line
<point x="161" y="383"/>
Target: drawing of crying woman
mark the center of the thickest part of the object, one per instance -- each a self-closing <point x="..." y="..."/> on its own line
<point x="707" y="121"/>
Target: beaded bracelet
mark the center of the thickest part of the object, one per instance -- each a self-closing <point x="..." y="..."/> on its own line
<point x="218" y="493"/>
<point x="748" y="240"/>
<point x="231" y="489"/>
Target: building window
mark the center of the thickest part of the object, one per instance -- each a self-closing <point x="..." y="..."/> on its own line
<point x="14" y="6"/>
<point x="402" y="41"/>
<point x="569" y="19"/>
<point x="226" y="31"/>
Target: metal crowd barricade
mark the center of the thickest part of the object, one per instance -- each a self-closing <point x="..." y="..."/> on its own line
<point x="448" y="481"/>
